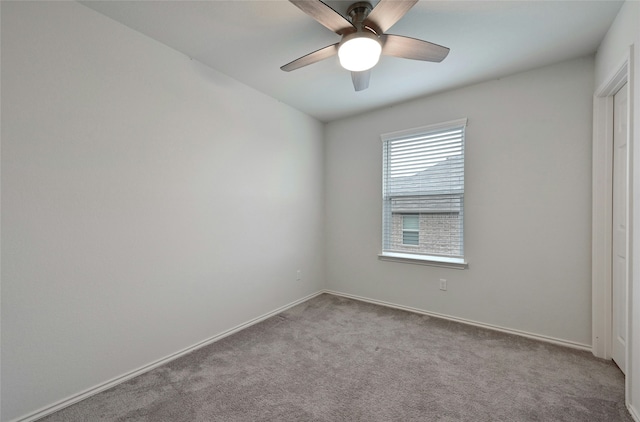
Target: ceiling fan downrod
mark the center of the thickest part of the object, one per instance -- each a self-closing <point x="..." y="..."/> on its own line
<point x="358" y="12"/>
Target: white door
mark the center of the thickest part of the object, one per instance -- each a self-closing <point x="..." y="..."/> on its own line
<point x="619" y="259"/>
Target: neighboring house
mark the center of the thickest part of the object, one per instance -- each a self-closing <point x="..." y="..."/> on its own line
<point x="428" y="224"/>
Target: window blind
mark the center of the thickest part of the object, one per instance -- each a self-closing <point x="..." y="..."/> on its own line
<point x="423" y="175"/>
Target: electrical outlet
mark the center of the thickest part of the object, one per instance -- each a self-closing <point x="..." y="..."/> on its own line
<point x="298" y="275"/>
<point x="443" y="284"/>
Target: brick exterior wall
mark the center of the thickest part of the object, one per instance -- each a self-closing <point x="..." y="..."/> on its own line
<point x="440" y="234"/>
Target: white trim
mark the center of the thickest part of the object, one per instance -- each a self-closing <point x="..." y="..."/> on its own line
<point x="547" y="339"/>
<point x="602" y="185"/>
<point x="616" y="80"/>
<point x="634" y="413"/>
<point x="47" y="410"/>
<point x="601" y="246"/>
<point x="61" y="404"/>
<point x="632" y="361"/>
<point x="428" y="128"/>
<point x="431" y="260"/>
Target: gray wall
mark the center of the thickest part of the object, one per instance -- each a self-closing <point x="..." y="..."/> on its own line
<point x="527" y="204"/>
<point x="148" y="202"/>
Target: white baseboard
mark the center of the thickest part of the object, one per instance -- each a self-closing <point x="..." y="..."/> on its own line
<point x="561" y="342"/>
<point x="634" y="413"/>
<point x="47" y="410"/>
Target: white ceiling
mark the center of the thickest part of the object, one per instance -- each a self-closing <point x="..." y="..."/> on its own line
<point x="250" y="40"/>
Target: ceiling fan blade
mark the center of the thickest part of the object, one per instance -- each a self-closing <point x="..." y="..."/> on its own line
<point x="412" y="48"/>
<point x="388" y="12"/>
<point x="326" y="15"/>
<point x="361" y="79"/>
<point x="311" y="58"/>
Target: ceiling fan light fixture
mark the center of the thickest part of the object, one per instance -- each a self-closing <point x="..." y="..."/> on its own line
<point x="364" y="37"/>
<point x="359" y="51"/>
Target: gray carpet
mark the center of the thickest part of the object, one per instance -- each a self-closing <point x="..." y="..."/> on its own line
<point x="335" y="359"/>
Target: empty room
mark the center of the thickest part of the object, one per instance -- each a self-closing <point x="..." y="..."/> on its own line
<point x="311" y="210"/>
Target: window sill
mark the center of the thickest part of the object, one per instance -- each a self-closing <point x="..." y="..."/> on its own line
<point x="435" y="261"/>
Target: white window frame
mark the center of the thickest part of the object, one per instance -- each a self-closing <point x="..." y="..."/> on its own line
<point x="422" y="259"/>
<point x="417" y="216"/>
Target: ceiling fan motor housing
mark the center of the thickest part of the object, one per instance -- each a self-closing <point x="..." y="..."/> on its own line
<point x="358" y="12"/>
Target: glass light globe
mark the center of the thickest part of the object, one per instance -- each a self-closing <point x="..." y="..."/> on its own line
<point x="359" y="53"/>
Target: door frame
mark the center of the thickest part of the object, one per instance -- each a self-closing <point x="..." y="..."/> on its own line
<point x="601" y="244"/>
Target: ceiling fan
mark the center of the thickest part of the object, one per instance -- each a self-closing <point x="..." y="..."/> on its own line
<point x="364" y="38"/>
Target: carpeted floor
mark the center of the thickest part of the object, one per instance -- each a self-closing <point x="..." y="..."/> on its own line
<point x="335" y="359"/>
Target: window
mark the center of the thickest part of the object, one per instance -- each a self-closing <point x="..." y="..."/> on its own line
<point x="423" y="195"/>
<point x="410" y="229"/>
